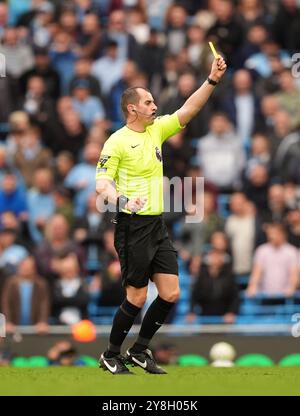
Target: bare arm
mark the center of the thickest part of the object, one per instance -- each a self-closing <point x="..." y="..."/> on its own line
<point x="196" y="101"/>
<point x="293" y="282"/>
<point x="254" y="280"/>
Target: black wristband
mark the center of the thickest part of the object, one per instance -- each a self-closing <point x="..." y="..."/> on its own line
<point x="212" y="82"/>
<point x="121" y="202"/>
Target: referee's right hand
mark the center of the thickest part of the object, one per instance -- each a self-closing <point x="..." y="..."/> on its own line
<point x="135" y="204"/>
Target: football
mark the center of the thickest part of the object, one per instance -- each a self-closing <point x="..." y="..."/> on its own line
<point x="222" y="354"/>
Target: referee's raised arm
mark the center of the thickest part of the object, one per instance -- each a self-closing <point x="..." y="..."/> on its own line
<point x="196" y="101"/>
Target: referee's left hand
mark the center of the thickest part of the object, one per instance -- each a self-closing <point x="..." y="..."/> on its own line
<point x="218" y="69"/>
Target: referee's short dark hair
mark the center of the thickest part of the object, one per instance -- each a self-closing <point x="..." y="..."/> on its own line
<point x="130" y="96"/>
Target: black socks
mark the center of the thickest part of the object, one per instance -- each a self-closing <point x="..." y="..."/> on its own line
<point x="153" y="320"/>
<point x="123" y="321"/>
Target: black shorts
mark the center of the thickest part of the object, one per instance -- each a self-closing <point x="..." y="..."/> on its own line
<point x="144" y="248"/>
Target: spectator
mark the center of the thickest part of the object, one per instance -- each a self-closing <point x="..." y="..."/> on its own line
<point x="63" y="165"/>
<point x="6" y="166"/>
<point x="255" y="36"/>
<point x="8" y="96"/>
<point x="289" y="97"/>
<point x="68" y="23"/>
<point x="261" y="63"/>
<point x="167" y="88"/>
<point x="108" y="69"/>
<point x="70" y="296"/>
<point x="220" y="154"/>
<point x="197" y="49"/>
<point x="214" y="290"/>
<point x="260" y="153"/>
<point x="219" y="242"/>
<point x="281" y="129"/>
<point x="63" y="353"/>
<point x="97" y="135"/>
<point x="89" y="39"/>
<point x="277" y="207"/>
<point x="293" y="227"/>
<point x="31" y="155"/>
<point x="269" y="108"/>
<point x="287" y="16"/>
<point x="176" y="26"/>
<point x="156" y="11"/>
<point x="83" y="71"/>
<point x="41" y="203"/>
<point x="38" y="20"/>
<point x="242" y="227"/>
<point x="152" y="57"/>
<point x="36" y="103"/>
<point x="292" y="195"/>
<point x="256" y="187"/>
<point x="66" y="131"/>
<point x="241" y="105"/>
<point x="227" y="30"/>
<point x="89" y="108"/>
<point x="26" y="298"/>
<point x="63" y="203"/>
<point x="287" y="157"/>
<point x="12" y="196"/>
<point x="137" y="25"/>
<point x="9" y="220"/>
<point x="116" y="30"/>
<point x="271" y="84"/>
<point x="251" y="13"/>
<point x="59" y="348"/>
<point x="57" y="244"/>
<point x="4" y="17"/>
<point x="19" y="124"/>
<point x="18" y="56"/>
<point x="81" y="178"/>
<point x="11" y="253"/>
<point x="166" y="353"/>
<point x="44" y="70"/>
<point x="196" y="236"/>
<point x="275" y="266"/>
<point x="63" y="58"/>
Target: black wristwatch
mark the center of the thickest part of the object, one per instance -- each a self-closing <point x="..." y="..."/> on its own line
<point x="121" y="202"/>
<point x="212" y="82"/>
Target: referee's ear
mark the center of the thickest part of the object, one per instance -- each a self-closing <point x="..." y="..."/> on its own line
<point x="131" y="109"/>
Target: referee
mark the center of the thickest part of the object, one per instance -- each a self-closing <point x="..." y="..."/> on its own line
<point x="130" y="176"/>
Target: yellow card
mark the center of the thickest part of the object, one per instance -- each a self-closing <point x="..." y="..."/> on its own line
<point x="215" y="53"/>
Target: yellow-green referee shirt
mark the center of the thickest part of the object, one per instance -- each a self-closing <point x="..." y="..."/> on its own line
<point x="134" y="161"/>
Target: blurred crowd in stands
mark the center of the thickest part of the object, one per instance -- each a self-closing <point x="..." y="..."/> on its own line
<point x="66" y="65"/>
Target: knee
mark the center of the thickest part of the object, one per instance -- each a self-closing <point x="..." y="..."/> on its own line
<point x="172" y="296"/>
<point x="137" y="299"/>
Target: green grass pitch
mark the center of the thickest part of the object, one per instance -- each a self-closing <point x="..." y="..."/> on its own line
<point x="201" y="381"/>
